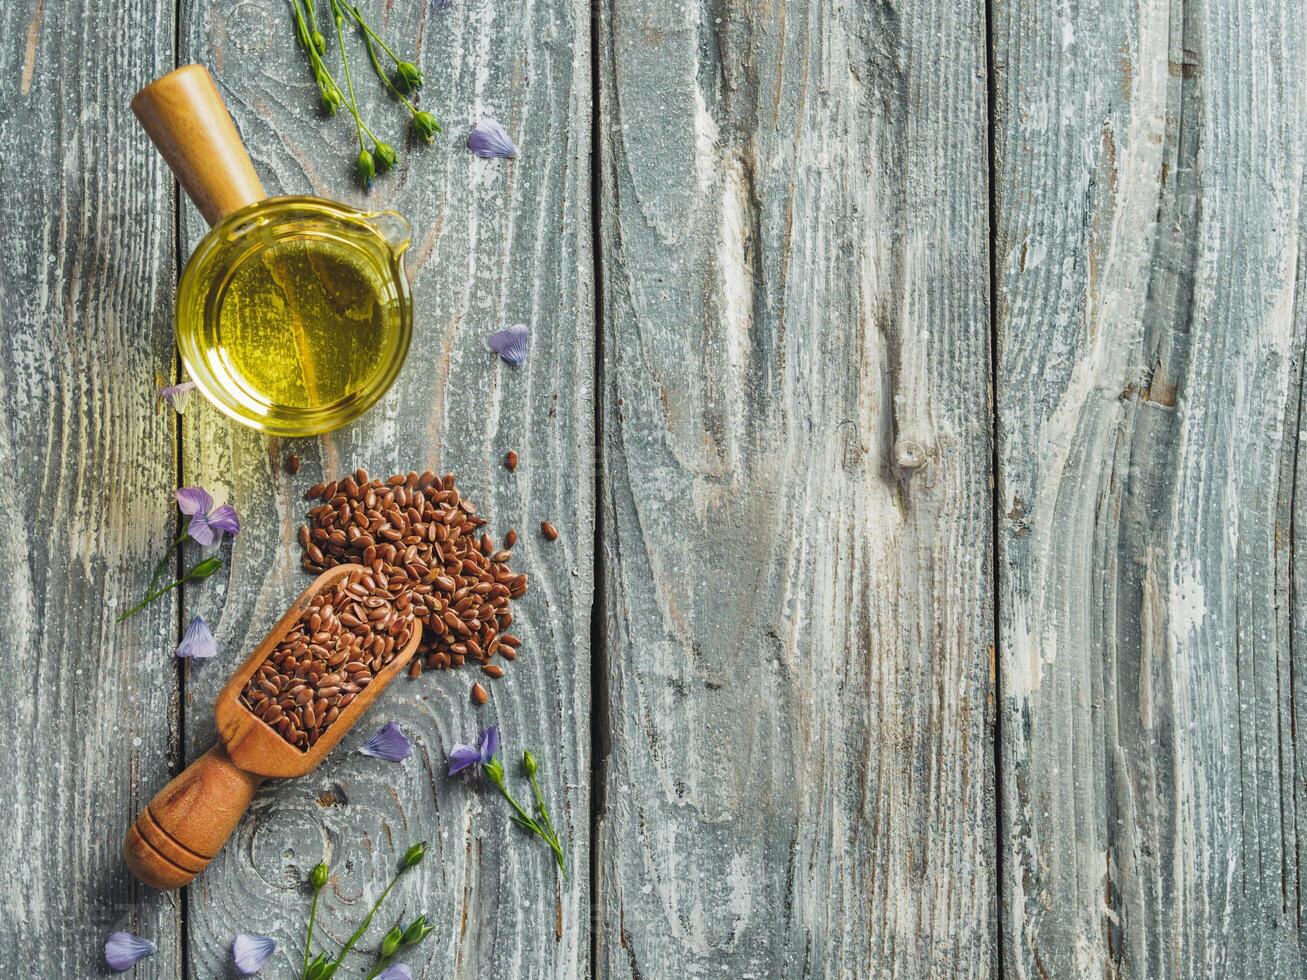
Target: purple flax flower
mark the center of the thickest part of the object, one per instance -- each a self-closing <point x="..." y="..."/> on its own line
<point x="481" y="755"/>
<point x="251" y="952"/>
<point x="489" y="140"/>
<point x="510" y="344"/>
<point x="207" y="525"/>
<point x="178" y="395"/>
<point x="388" y="743"/>
<point x="399" y="971"/>
<point x="122" y="950"/>
<point x="197" y="642"/>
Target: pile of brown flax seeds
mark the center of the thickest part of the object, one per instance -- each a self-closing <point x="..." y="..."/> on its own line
<point x="418" y="537"/>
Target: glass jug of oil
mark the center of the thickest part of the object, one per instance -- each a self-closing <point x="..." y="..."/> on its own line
<point x="293" y="314"/>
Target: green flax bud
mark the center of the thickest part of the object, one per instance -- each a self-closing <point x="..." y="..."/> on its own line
<point x="417" y="931"/>
<point x="391" y="942"/>
<point x="408" y="76"/>
<point x="414" y="855"/>
<point x="529" y="762"/>
<point x="318" y="876"/>
<point x="385" y="154"/>
<point x="494" y="770"/>
<point x="332" y="99"/>
<point x="367" y="168"/>
<point x="425" y="125"/>
<point x="204" y="569"/>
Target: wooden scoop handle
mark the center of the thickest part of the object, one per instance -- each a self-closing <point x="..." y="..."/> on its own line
<point x="182" y="829"/>
<point x="186" y="118"/>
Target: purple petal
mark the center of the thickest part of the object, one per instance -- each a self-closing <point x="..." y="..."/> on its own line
<point x="461" y="757"/>
<point x="122" y="950"/>
<point x="178" y="395"/>
<point x="399" y="971"/>
<point x="388" y="743"/>
<point x="194" y="500"/>
<point x="251" y="952"/>
<point x="197" y="642"/>
<point x="225" y="519"/>
<point x="489" y="140"/>
<point x="510" y="344"/>
<point x="200" y="531"/>
<point x="489" y="744"/>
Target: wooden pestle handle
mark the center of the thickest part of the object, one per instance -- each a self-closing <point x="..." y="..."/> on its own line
<point x="182" y="829"/>
<point x="186" y="118"/>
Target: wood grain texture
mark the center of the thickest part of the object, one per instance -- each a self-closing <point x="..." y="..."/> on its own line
<point x="1149" y="167"/>
<point x="494" y="243"/>
<point x="796" y="543"/>
<point x="86" y="267"/>
<point x="795" y="488"/>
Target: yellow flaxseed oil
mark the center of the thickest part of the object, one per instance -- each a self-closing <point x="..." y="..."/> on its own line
<point x="296" y="317"/>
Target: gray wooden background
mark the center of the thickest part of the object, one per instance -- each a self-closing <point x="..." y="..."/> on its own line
<point x="916" y="386"/>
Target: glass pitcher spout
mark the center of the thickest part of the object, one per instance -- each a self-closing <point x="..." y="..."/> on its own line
<point x="393" y="227"/>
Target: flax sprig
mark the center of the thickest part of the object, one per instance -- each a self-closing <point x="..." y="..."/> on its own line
<point x="322" y="966"/>
<point x="206" y="527"/>
<point x="483" y="756"/>
<point x="375" y="155"/>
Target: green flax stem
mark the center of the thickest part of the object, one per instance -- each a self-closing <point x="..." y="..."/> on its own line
<point x="149" y="599"/>
<point x="308" y="940"/>
<point x="529" y="823"/>
<point x="376" y="64"/>
<point x="313" y="18"/>
<point x="367" y="920"/>
<point x="301" y="27"/>
<point x="321" y="75"/>
<point x="349" y="80"/>
<point x="371" y="33"/>
<point x="163" y="562"/>
<point x="544" y="810"/>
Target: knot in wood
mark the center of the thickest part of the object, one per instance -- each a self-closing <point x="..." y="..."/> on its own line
<point x="909" y="454"/>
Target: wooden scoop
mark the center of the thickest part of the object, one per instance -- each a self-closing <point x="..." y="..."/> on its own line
<point x="186" y="824"/>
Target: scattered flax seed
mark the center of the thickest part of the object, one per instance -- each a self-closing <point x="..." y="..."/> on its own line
<point x="479" y="694"/>
<point x="292" y="464"/>
<point x="510" y="538"/>
<point x="549" y="531"/>
<point x="510" y="461"/>
<point x="415" y="667"/>
<point x="492" y="670"/>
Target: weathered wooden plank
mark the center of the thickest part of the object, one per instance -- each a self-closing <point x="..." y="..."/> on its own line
<point x="86" y="266"/>
<point x="1149" y="162"/>
<point x="796" y="524"/>
<point x="494" y="243"/>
